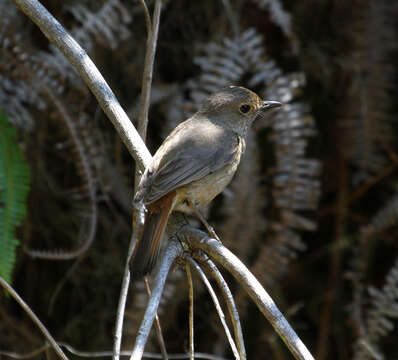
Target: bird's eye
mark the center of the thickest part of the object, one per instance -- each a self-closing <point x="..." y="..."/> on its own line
<point x="244" y="109"/>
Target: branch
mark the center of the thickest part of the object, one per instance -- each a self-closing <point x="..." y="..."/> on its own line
<point x="97" y="354"/>
<point x="34" y="318"/>
<point x="191" y="329"/>
<point x="229" y="300"/>
<point x="139" y="223"/>
<point x="216" y="304"/>
<point x="173" y="250"/>
<point x="148" y="69"/>
<point x="54" y="31"/>
<point x="199" y="240"/>
<point x="158" y="328"/>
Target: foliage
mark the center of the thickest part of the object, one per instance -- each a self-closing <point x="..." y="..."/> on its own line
<point x="14" y="188"/>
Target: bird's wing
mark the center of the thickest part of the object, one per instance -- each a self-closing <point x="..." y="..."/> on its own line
<point x="192" y="151"/>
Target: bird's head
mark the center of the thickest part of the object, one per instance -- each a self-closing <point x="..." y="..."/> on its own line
<point x="235" y="107"/>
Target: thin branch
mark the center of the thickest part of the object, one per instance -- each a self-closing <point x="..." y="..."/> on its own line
<point x="34" y="318"/>
<point x="97" y="354"/>
<point x="217" y="251"/>
<point x="173" y="250"/>
<point x="139" y="222"/>
<point x="142" y="129"/>
<point x="148" y="21"/>
<point x="159" y="333"/>
<point x="229" y="300"/>
<point x="148" y="71"/>
<point x="217" y="306"/>
<point x="191" y="332"/>
<point x="91" y="76"/>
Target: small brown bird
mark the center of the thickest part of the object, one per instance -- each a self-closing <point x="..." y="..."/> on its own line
<point x="193" y="165"/>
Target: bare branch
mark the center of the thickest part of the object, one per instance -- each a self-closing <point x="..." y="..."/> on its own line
<point x="142" y="129"/>
<point x="148" y="71"/>
<point x="191" y="330"/>
<point x="173" y="250"/>
<point x="34" y="318"/>
<point x="216" y="304"/>
<point x="91" y="76"/>
<point x="229" y="300"/>
<point x="96" y="354"/>
<point x="159" y="333"/>
<point x="139" y="222"/>
<point x="199" y="240"/>
<point x="148" y="21"/>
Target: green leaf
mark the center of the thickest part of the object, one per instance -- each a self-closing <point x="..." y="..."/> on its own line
<point x="14" y="188"/>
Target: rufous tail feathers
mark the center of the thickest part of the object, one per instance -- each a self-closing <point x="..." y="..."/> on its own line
<point x="148" y="246"/>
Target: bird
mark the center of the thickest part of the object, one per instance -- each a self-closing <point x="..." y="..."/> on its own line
<point x="194" y="164"/>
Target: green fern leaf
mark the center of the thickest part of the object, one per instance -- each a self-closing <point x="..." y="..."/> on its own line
<point x="14" y="188"/>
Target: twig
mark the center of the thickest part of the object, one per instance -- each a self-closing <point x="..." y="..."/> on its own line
<point x="199" y="240"/>
<point x="217" y="306"/>
<point x="91" y="76"/>
<point x="173" y="250"/>
<point x="148" y="21"/>
<point x="158" y="328"/>
<point x="148" y="71"/>
<point x="34" y="318"/>
<point x="143" y="115"/>
<point x="139" y="221"/>
<point x="191" y="332"/>
<point x="229" y="300"/>
<point x="96" y="354"/>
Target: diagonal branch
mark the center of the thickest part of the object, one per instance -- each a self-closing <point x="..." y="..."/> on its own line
<point x="34" y="318"/>
<point x="217" y="251"/>
<point x="229" y="300"/>
<point x="216" y="304"/>
<point x="54" y="31"/>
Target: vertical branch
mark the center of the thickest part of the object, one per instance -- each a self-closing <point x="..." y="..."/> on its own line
<point x="139" y="215"/>
<point x="173" y="250"/>
<point x="139" y="222"/>
<point x="148" y="69"/>
<point x="34" y="318"/>
<point x="217" y="306"/>
<point x="229" y="300"/>
<point x="191" y="333"/>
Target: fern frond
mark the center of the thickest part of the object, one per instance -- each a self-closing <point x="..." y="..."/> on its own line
<point x="228" y="62"/>
<point x="106" y="26"/>
<point x="386" y="217"/>
<point x="365" y="117"/>
<point x="14" y="188"/>
<point x="384" y="308"/>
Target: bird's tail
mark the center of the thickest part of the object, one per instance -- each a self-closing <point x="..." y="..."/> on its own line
<point x="148" y="246"/>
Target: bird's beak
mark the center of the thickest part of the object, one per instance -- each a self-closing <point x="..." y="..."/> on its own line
<point x="270" y="105"/>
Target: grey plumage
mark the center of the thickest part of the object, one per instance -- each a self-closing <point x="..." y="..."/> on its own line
<point x="193" y="165"/>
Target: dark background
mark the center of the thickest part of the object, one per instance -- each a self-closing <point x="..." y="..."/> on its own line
<point x="312" y="210"/>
